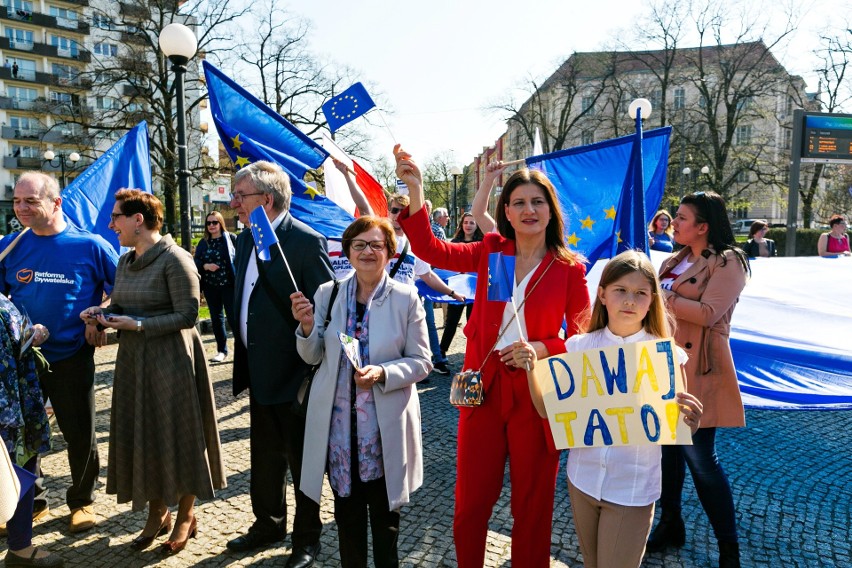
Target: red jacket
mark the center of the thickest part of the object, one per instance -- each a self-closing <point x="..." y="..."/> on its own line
<point x="561" y="295"/>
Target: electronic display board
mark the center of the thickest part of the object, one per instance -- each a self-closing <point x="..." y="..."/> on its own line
<point x="827" y="138"/>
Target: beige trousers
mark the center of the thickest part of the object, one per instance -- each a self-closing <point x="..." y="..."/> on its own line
<point x="610" y="535"/>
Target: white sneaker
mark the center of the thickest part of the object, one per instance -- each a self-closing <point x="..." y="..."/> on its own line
<point x="219" y="357"/>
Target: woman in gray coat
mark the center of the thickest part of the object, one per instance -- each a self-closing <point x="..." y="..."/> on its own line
<point x="363" y="425"/>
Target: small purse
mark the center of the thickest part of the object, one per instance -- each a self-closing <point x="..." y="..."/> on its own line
<point x="466" y="390"/>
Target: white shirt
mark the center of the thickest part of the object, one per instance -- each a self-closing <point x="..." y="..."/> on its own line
<point x="248" y="285"/>
<point x="624" y="475"/>
<point x="513" y="334"/>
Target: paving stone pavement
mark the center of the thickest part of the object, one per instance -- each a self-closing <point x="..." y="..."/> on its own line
<point x="790" y="472"/>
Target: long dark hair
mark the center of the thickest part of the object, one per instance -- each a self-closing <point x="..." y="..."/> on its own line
<point x="459" y="236"/>
<point x="710" y="208"/>
<point x="554" y="236"/>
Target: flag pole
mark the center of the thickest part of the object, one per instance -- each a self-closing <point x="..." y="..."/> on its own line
<point x="287" y="264"/>
<point x="514" y="163"/>
<point x="520" y="329"/>
<point x="382" y="116"/>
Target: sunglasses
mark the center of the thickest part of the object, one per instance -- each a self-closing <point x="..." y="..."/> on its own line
<point x="212" y="223"/>
<point x="395" y="210"/>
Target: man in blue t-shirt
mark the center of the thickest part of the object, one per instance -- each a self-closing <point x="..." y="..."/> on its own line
<point x="52" y="272"/>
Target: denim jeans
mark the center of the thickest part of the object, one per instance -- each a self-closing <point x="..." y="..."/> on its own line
<point x="220" y="299"/>
<point x="434" y="343"/>
<point x="709" y="478"/>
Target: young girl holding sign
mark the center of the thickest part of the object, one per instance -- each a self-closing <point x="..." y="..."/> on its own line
<point x="613" y="489"/>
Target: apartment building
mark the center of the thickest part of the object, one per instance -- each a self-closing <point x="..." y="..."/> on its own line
<point x="730" y="107"/>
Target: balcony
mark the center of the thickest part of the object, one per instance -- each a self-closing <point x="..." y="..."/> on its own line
<point x="18" y="163"/>
<point x="60" y="108"/>
<point x="70" y="81"/>
<point x="134" y="11"/>
<point x="37" y="48"/>
<point x="12" y="133"/>
<point x="12" y="103"/>
<point x="138" y="38"/>
<point x="39" y="19"/>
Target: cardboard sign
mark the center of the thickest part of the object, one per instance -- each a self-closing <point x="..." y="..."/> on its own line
<point x="623" y="395"/>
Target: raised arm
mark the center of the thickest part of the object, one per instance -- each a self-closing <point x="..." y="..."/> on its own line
<point x="408" y="171"/>
<point x="479" y="209"/>
<point x="355" y="192"/>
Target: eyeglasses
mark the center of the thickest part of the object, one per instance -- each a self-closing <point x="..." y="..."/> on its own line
<point x="114" y="216"/>
<point x="239" y="197"/>
<point x="212" y="223"/>
<point x="359" y="245"/>
<point x="395" y="210"/>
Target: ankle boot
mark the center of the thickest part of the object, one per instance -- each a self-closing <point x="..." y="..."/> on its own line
<point x="669" y="532"/>
<point x="729" y="555"/>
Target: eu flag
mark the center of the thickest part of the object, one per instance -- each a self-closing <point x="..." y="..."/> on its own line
<point x="88" y="200"/>
<point x="595" y="186"/>
<point x="263" y="233"/>
<point x="251" y="131"/>
<point x="501" y="277"/>
<point x="347" y="106"/>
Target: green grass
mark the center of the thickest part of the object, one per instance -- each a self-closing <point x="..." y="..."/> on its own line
<point x="203" y="313"/>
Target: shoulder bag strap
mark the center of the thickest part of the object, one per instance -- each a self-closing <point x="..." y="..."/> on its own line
<point x="396" y="266"/>
<point x="521" y="305"/>
<point x="9" y="248"/>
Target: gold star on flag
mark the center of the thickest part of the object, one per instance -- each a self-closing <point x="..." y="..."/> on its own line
<point x="587" y="223"/>
<point x="241" y="161"/>
<point x="238" y="144"/>
<point x="610" y="213"/>
<point x="573" y="239"/>
<point x="618" y="235"/>
<point x="312" y="191"/>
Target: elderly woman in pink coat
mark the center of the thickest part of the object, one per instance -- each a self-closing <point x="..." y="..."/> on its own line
<point x="363" y="424"/>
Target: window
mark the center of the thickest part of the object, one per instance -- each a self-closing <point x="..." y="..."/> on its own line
<point x="679" y="98"/>
<point x="107" y="103"/>
<point x="743" y="135"/>
<point x="23" y="122"/>
<point x="702" y="101"/>
<point x="744" y="177"/>
<point x="61" y="97"/>
<point x="787" y="135"/>
<point x="65" y="46"/>
<point x="20" y="39"/>
<point x="744" y="103"/>
<point x="788" y="109"/>
<point x="63" y="13"/>
<point x="657" y="98"/>
<point x="588" y="137"/>
<point x="64" y="71"/>
<point x="21" y="94"/>
<point x="19" y="151"/>
<point x="102" y="21"/>
<point x="588" y="103"/>
<point x="106" y="49"/>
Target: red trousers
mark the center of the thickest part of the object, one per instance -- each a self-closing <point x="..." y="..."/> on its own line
<point x="506" y="424"/>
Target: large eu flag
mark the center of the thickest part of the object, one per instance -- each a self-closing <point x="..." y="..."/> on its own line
<point x="88" y="200"/>
<point x="597" y="187"/>
<point x="347" y="106"/>
<point x="251" y="131"/>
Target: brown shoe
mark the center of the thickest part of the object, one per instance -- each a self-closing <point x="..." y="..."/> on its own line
<point x="82" y="519"/>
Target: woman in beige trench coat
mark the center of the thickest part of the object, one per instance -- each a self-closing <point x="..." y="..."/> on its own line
<point x="702" y="283"/>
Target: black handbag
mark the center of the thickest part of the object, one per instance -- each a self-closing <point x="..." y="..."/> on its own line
<point x="300" y="405"/>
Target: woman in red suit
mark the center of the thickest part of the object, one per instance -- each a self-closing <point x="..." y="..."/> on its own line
<point x="552" y="279"/>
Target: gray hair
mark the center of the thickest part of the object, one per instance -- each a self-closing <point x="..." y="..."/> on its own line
<point x="268" y="178"/>
<point x="439" y="213"/>
<point x="48" y="185"/>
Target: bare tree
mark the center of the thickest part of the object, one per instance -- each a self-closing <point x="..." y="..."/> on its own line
<point x="131" y="79"/>
<point x="835" y="94"/>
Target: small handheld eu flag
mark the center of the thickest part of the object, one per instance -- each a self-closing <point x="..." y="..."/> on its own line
<point x="347" y="106"/>
<point x="265" y="238"/>
<point x="501" y="274"/>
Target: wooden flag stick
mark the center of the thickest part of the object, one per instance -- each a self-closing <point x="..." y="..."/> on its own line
<point x="287" y="264"/>
<point x="518" y="322"/>
<point x="382" y="116"/>
<point x="514" y="163"/>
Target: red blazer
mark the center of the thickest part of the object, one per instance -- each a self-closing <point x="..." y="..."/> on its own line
<point x="562" y="293"/>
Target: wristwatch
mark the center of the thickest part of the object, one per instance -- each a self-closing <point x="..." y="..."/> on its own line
<point x="138" y="325"/>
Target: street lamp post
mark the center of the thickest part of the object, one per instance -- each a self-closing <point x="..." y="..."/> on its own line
<point x="51" y="158"/>
<point x="179" y="44"/>
<point x="687" y="171"/>
<point x="455" y="171"/>
<point x="705" y="171"/>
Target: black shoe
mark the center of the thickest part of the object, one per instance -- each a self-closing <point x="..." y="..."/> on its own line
<point x="441" y="369"/>
<point x="255" y="538"/>
<point x="669" y="532"/>
<point x="729" y="555"/>
<point x="49" y="561"/>
<point x="304" y="556"/>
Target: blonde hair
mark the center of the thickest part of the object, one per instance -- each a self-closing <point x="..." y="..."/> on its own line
<point x="658" y="321"/>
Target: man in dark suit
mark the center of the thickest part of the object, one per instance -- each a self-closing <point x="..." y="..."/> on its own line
<point x="266" y="361"/>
